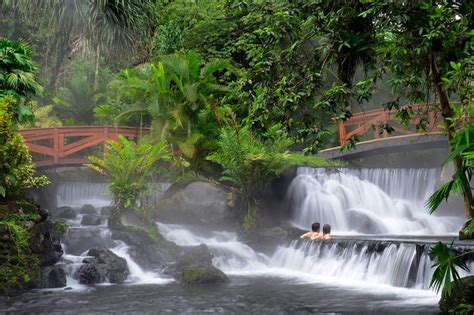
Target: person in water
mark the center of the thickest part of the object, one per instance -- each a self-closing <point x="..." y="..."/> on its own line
<point x="326" y="232"/>
<point x="314" y="233"/>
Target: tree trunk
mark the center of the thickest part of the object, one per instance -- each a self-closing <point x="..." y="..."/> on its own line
<point x="97" y="63"/>
<point x="447" y="113"/>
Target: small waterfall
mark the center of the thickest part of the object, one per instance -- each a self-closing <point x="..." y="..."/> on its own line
<point x="368" y="201"/>
<point x="229" y="254"/>
<point x="76" y="194"/>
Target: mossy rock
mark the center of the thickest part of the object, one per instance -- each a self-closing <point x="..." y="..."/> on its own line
<point x="203" y="275"/>
<point x="60" y="228"/>
<point x="467" y="231"/>
<point x="461" y="299"/>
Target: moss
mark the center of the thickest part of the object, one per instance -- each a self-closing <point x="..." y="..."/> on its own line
<point x="463" y="309"/>
<point x="194" y="275"/>
<point x="60" y="228"/>
<point x="467" y="232"/>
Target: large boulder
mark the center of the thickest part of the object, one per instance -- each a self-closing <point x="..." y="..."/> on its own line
<point x="64" y="213"/>
<point x="195" y="267"/>
<point x="89" y="219"/>
<point x="88" y="209"/>
<point x="53" y="277"/>
<point x="461" y="300"/>
<point x="106" y="211"/>
<point x="195" y="203"/>
<point x="102" y="266"/>
<point x="46" y="241"/>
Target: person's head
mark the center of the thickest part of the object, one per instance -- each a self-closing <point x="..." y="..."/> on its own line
<point x="315" y="227"/>
<point x="326" y="229"/>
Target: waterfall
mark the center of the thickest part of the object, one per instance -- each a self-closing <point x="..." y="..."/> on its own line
<point x="76" y="194"/>
<point x="368" y="201"/>
<point x="348" y="262"/>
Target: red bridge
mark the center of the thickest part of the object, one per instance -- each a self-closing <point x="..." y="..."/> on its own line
<point x="71" y="145"/>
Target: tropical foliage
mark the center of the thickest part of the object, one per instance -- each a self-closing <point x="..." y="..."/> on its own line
<point x="17" y="171"/>
<point x="131" y="167"/>
<point x="447" y="262"/>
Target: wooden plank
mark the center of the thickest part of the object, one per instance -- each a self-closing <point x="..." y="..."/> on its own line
<point x="84" y="146"/>
<point x="35" y="148"/>
<point x="80" y="142"/>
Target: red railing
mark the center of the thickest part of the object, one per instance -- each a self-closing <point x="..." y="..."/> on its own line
<point x="374" y="120"/>
<point x="61" y="145"/>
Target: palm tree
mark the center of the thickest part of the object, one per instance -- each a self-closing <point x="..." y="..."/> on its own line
<point x="89" y="27"/>
<point x="172" y="93"/>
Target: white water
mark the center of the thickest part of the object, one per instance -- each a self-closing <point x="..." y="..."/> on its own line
<point x="77" y="194"/>
<point x="368" y="201"/>
<point x="353" y="264"/>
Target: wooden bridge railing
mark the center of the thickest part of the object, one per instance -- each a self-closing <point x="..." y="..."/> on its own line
<point x="369" y="121"/>
<point x="61" y="145"/>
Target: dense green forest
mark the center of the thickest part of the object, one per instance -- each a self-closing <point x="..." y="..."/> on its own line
<point x="244" y="88"/>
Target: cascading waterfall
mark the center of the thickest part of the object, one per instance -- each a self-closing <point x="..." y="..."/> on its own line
<point x="396" y="264"/>
<point x="368" y="201"/>
<point x="76" y="194"/>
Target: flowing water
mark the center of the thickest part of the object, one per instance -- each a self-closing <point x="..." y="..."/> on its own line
<point x="368" y="201"/>
<point x="357" y="274"/>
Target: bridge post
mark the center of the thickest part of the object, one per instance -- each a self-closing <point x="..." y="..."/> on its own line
<point x="342" y="134"/>
<point x="56" y="146"/>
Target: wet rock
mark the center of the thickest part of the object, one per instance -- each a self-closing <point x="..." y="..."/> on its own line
<point x="46" y="242"/>
<point x="89" y="274"/>
<point x="129" y="218"/>
<point x="195" y="267"/>
<point x="103" y="266"/>
<point x="89" y="219"/>
<point x="88" y="209"/>
<point x="64" y="212"/>
<point x="149" y="252"/>
<point x="462" y="299"/>
<point x="53" y="277"/>
<point x="268" y="239"/>
<point x="467" y="231"/>
<point x="106" y="211"/>
<point x="195" y="203"/>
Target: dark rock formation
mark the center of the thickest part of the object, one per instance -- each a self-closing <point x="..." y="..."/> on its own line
<point x="106" y="211"/>
<point x="103" y="266"/>
<point x="462" y="299"/>
<point x="195" y="267"/>
<point x="64" y="213"/>
<point x="53" y="277"/>
<point x="89" y="219"/>
<point x="195" y="203"/>
<point x="88" y="209"/>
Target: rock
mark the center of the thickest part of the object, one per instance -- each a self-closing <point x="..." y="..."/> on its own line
<point x="268" y="239"/>
<point x="46" y="243"/>
<point x="131" y="219"/>
<point x="103" y="266"/>
<point x="467" y="231"/>
<point x="106" y="211"/>
<point x="89" y="219"/>
<point x="195" y="203"/>
<point x="88" y="209"/>
<point x="43" y="213"/>
<point x="89" y="274"/>
<point x="195" y="267"/>
<point x="148" y="252"/>
<point x="462" y="300"/>
<point x="53" y="277"/>
<point x="64" y="212"/>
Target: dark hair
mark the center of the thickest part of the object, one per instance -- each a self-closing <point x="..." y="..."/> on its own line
<point x="326" y="229"/>
<point x="315" y="227"/>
